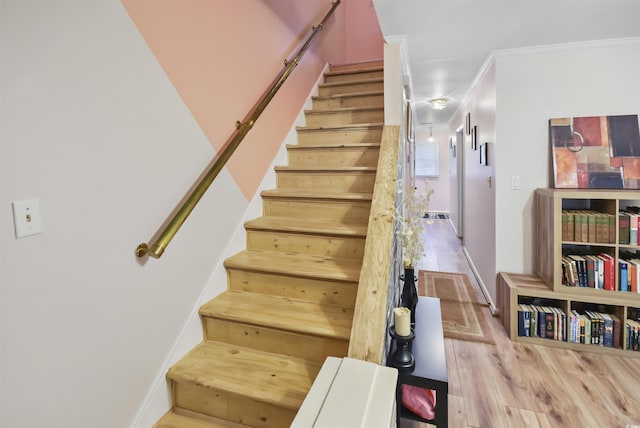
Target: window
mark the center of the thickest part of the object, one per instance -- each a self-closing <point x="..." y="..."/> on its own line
<point x="427" y="158"/>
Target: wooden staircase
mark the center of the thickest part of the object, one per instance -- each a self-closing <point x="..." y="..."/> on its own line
<point x="291" y="293"/>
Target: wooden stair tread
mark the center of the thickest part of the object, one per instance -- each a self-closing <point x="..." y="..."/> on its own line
<point x="271" y="378"/>
<point x="327" y="169"/>
<point x="351" y="82"/>
<point x="303" y="225"/>
<point x="347" y="127"/>
<point x="359" y="65"/>
<point x="296" y="265"/>
<point x="349" y="95"/>
<point x="173" y="419"/>
<point x="282" y="313"/>
<point x="343" y="110"/>
<point x="332" y="146"/>
<point x="354" y="71"/>
<point x="316" y="194"/>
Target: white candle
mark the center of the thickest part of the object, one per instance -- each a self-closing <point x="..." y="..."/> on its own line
<point x="402" y="321"/>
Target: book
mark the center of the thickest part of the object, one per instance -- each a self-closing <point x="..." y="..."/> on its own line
<point x="591" y="271"/>
<point x="607" y="330"/>
<point x="571" y="270"/>
<point x="587" y="329"/>
<point x="623" y="275"/>
<point x="609" y="271"/>
<point x="633" y="228"/>
<point x="524" y="320"/>
<point x="602" y="228"/>
<point x="550" y="325"/>
<point x="617" y="326"/>
<point x="633" y="275"/>
<point x="612" y="228"/>
<point x="591" y="226"/>
<point x="581" y="268"/>
<point x="574" y="331"/>
<point x="584" y="225"/>
<point x="623" y="227"/>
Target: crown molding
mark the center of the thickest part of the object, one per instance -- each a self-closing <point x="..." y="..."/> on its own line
<point x="539" y="49"/>
<point x="569" y="46"/>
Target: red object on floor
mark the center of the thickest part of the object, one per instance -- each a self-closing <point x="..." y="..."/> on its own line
<point x="421" y="401"/>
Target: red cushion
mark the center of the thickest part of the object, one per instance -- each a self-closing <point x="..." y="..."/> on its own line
<point x="420" y="401"/>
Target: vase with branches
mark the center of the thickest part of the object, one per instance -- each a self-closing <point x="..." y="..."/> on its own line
<point x="411" y="225"/>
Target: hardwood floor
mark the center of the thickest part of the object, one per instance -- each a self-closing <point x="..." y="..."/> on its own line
<point x="514" y="385"/>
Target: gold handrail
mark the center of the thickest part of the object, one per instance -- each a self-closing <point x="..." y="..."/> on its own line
<point x="162" y="238"/>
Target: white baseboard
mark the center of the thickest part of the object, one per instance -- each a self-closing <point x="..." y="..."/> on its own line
<point x="492" y="306"/>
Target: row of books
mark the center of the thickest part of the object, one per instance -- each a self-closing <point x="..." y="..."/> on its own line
<point x="588" y="226"/>
<point x="589" y="270"/>
<point x="600" y="270"/>
<point x="591" y="327"/>
<point x="546" y="322"/>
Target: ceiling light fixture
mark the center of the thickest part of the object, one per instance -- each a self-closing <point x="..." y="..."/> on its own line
<point x="438" y="103"/>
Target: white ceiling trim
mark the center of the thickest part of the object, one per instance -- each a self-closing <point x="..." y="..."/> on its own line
<point x="559" y="47"/>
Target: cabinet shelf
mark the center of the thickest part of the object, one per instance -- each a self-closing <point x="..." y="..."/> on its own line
<point x="513" y="288"/>
<point x="552" y="245"/>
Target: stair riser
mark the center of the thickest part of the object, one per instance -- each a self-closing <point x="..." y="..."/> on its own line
<point x="349" y="211"/>
<point x="331" y="246"/>
<point x="312" y="348"/>
<point x="334" y="136"/>
<point x="225" y="405"/>
<point x="355" y="183"/>
<point x="350" y="88"/>
<point x="356" y="67"/>
<point x="334" y="156"/>
<point x="349" y="102"/>
<point x="354" y="76"/>
<point x="339" y="118"/>
<point x="315" y="290"/>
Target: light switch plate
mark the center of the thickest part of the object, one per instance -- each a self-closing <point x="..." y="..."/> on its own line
<point x="26" y="218"/>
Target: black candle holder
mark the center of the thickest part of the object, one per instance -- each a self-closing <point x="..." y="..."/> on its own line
<point x="401" y="358"/>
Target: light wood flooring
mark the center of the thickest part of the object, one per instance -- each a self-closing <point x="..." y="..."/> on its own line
<point x="514" y="385"/>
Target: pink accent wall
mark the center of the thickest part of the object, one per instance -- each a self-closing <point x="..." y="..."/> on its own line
<point x="364" y="40"/>
<point x="222" y="56"/>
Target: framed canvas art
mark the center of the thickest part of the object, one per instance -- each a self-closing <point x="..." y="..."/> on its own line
<point x="596" y="152"/>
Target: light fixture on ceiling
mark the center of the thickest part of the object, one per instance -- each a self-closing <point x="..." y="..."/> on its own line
<point x="438" y="103"/>
<point x="431" y="134"/>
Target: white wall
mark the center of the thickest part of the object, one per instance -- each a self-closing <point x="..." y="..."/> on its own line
<point x="93" y="129"/>
<point x="479" y="220"/>
<point x="533" y="86"/>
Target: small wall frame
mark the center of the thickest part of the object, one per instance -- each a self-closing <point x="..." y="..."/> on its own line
<point x="483" y="154"/>
<point x="474" y="137"/>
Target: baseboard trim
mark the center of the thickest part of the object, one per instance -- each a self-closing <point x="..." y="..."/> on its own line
<point x="495" y="311"/>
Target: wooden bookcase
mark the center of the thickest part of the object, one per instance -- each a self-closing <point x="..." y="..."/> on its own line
<point x="547" y="283"/>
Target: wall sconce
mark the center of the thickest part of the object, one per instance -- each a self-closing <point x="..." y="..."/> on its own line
<point x="430" y="134"/>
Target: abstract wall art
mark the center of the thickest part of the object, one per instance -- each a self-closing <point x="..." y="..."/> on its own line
<point x="596" y="152"/>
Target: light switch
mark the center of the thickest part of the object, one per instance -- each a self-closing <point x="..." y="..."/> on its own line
<point x="515" y="182"/>
<point x="26" y="218"/>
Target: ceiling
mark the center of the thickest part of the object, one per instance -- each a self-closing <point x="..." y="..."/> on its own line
<point x="446" y="42"/>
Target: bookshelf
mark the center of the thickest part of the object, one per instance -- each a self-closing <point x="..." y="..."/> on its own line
<point x="548" y="287"/>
